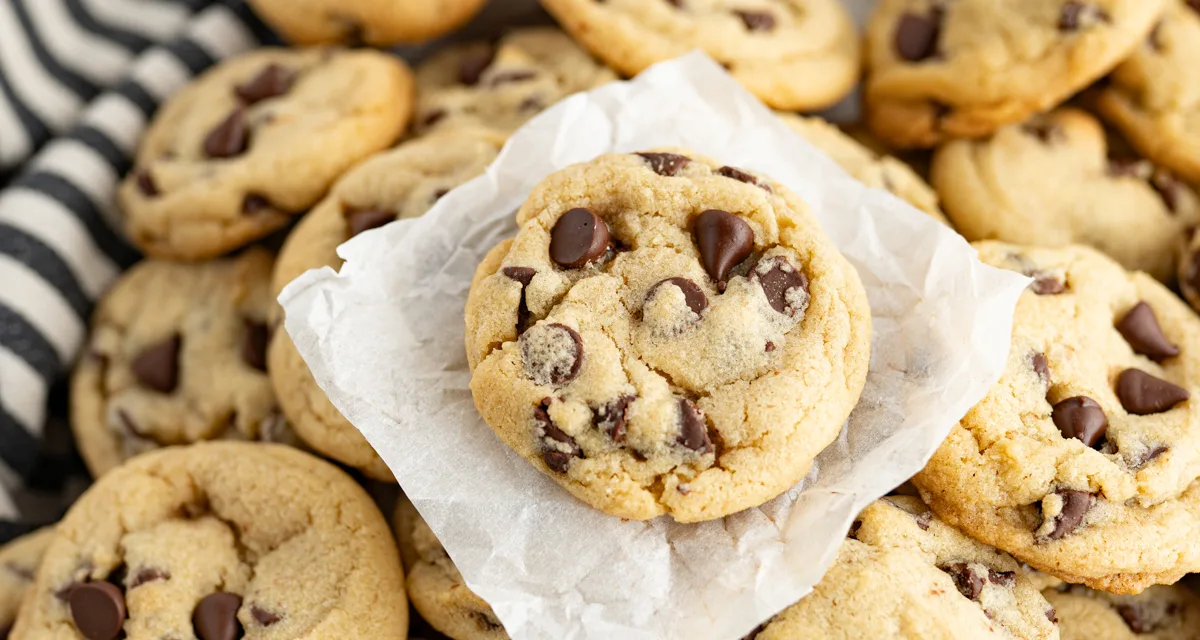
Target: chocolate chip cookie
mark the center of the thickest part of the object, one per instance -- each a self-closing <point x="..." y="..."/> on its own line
<point x="254" y="142"/>
<point x="667" y="335"/>
<point x="435" y="586"/>
<point x="1050" y="182"/>
<point x="498" y="86"/>
<point x="793" y="54"/>
<point x="905" y="574"/>
<point x="220" y="540"/>
<point x="938" y="70"/>
<point x="401" y="183"/>
<point x="1158" y="613"/>
<point x="1154" y="96"/>
<point x="177" y="355"/>
<point x="875" y="170"/>
<point x="1082" y="460"/>
<point x="19" y="561"/>
<point x="376" y="22"/>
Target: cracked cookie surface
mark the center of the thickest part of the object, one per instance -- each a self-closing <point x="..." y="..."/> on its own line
<point x="1158" y="613"/>
<point x="19" y="560"/>
<point x="667" y="335"/>
<point x="1082" y="460"/>
<point x="375" y="22"/>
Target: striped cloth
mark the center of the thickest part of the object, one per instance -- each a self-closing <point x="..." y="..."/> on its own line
<point x="79" y="80"/>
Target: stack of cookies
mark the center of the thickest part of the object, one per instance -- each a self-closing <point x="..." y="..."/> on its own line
<point x="666" y="334"/>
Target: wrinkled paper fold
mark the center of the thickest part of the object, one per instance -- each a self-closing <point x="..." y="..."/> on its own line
<point x="384" y="338"/>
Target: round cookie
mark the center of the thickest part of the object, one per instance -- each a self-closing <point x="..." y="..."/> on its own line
<point x="435" y="586"/>
<point x="381" y="23"/>
<point x="875" y="170"/>
<point x="905" y="575"/>
<point x="1153" y="97"/>
<point x="800" y="55"/>
<point x="1158" y="613"/>
<point x="19" y="560"/>
<point x="653" y="352"/>
<point x="1050" y="182"/>
<point x="401" y="183"/>
<point x="498" y="86"/>
<point x="1082" y="460"/>
<point x="177" y="355"/>
<point x="938" y="70"/>
<point x="215" y="538"/>
<point x="255" y="141"/>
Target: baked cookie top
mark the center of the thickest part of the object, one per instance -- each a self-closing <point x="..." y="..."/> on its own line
<point x="256" y="140"/>
<point x="1158" y="613"/>
<point x="499" y="86"/>
<point x="667" y="335"/>
<point x="1051" y="182"/>
<point x="905" y="574"/>
<point x="376" y="22"/>
<point x="400" y="183"/>
<point x="963" y="68"/>
<point x="1089" y="439"/>
<point x="216" y="539"/>
<point x="19" y="560"/>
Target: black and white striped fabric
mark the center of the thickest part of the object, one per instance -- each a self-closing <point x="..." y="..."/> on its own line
<point x="79" y="80"/>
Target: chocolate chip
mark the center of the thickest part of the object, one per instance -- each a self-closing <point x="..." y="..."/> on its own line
<point x="1081" y="418"/>
<point x="1139" y="620"/>
<point x="1169" y="189"/>
<point x="508" y="77"/>
<point x="724" y="241"/>
<point x="263" y="617"/>
<point x="1045" y="284"/>
<point x="578" y="237"/>
<point x="923" y="520"/>
<point x="917" y="35"/>
<point x="524" y="275"/>
<point x="1040" y="366"/>
<point x="611" y="417"/>
<point x="757" y="20"/>
<point x="968" y="581"/>
<point x="274" y="80"/>
<point x="98" y="609"/>
<point x="1075" y="505"/>
<point x="1079" y="14"/>
<point x="229" y="138"/>
<point x="254" y="344"/>
<point x="563" y="448"/>
<point x="145" y="183"/>
<point x="253" y="203"/>
<point x="1129" y="168"/>
<point x="1046" y="132"/>
<point x="742" y="176"/>
<point x="360" y="220"/>
<point x="1052" y="615"/>
<point x="785" y="286"/>
<point x="432" y="118"/>
<point x="552" y="353"/>
<point x="532" y="103"/>
<point x="1143" y="394"/>
<point x="693" y="432"/>
<point x="693" y="295"/>
<point x="1147" y="455"/>
<point x="148" y="574"/>
<point x="471" y="69"/>
<point x="1002" y="578"/>
<point x="215" y="618"/>
<point x="666" y="164"/>
<point x="1141" y="330"/>
<point x="157" y="366"/>
<point x="769" y="347"/>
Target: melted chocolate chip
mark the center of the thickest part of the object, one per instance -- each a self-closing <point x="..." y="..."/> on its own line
<point x="666" y="164"/>
<point x="1075" y="15"/>
<point x="523" y="275"/>
<point x="264" y="617"/>
<point x="757" y="20"/>
<point x="254" y="344"/>
<point x="724" y="241"/>
<point x="1045" y="131"/>
<point x="509" y="77"/>
<point x="145" y="183"/>
<point x="1045" y="284"/>
<point x="215" y="617"/>
<point x="471" y="69"/>
<point x="693" y="295"/>
<point x="611" y="417"/>
<point x="742" y="176"/>
<point x="967" y="580"/>
<point x="230" y="137"/>
<point x="1052" y="615"/>
<point x="360" y="220"/>
<point x="432" y="118"/>
<point x="275" y="80"/>
<point x="917" y="36"/>
<point x="785" y="286"/>
<point x="553" y="452"/>
<point x="578" y="237"/>
<point x="148" y="574"/>
<point x="1143" y="394"/>
<point x="1075" y="506"/>
<point x="923" y="520"/>
<point x="97" y="609"/>
<point x="253" y="203"/>
<point x="1081" y="418"/>
<point x="1147" y="456"/>
<point x="552" y="353"/>
<point x="1139" y="620"/>
<point x="1041" y="366"/>
<point x="1141" y="330"/>
<point x="693" y="432"/>
<point x="157" y="366"/>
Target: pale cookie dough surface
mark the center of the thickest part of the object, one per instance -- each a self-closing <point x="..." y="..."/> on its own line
<point x="177" y="355"/>
<point x="1083" y="460"/>
<point x="1154" y="96"/>
<point x="258" y="538"/>
<point x="939" y="70"/>
<point x="1158" y="613"/>
<point x="1050" y="182"/>
<point x="792" y="54"/>
<point x="19" y="560"/>
<point x="905" y="575"/>
<point x="400" y="183"/>
<point x="498" y="86"/>
<point x="435" y="586"/>
<point x="872" y="169"/>
<point x="255" y="141"/>
<point x="376" y="22"/>
<point x="667" y="335"/>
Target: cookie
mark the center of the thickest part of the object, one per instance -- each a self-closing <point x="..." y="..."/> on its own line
<point x="380" y="23"/>
<point x="1083" y="460"/>
<point x="19" y="560"/>
<point x="1153" y="97"/>
<point x="1050" y="182"/>
<point x="904" y="574"/>
<point x="435" y="586"/>
<point x="216" y="540"/>
<point x="879" y="171"/>
<point x="177" y="355"/>
<point x="656" y="353"/>
<point x="939" y="70"/>
<point x="498" y="86"/>
<point x="1158" y="613"/>
<point x="799" y="55"/>
<point x="401" y="183"/>
<point x="254" y="142"/>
